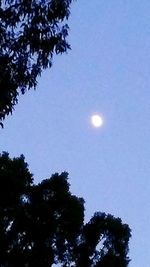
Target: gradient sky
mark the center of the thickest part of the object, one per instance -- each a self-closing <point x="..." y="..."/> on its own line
<point x="107" y="71"/>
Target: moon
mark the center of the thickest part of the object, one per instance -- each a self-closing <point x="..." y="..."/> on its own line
<point x="96" y="120"/>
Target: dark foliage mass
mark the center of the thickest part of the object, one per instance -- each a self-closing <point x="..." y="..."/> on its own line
<point x="31" y="32"/>
<point x="43" y="224"/>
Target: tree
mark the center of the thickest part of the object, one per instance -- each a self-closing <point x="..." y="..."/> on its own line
<point x="31" y="32"/>
<point x="43" y="224"/>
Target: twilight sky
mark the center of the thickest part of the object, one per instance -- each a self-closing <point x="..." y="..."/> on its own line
<point x="107" y="71"/>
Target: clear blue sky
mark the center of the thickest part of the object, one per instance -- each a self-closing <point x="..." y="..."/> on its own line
<point x="107" y="71"/>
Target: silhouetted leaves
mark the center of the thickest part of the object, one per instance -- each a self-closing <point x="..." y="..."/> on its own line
<point x="31" y="32"/>
<point x="43" y="224"/>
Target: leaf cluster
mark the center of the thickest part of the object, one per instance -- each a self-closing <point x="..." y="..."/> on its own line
<point x="31" y="32"/>
<point x="43" y="224"/>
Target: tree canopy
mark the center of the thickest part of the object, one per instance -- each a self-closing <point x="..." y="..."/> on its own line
<point x="31" y="32"/>
<point x="43" y="224"/>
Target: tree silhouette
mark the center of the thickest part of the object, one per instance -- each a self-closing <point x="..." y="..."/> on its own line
<point x="31" y="32"/>
<point x="43" y="224"/>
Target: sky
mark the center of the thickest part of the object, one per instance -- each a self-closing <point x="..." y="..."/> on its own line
<point x="106" y="72"/>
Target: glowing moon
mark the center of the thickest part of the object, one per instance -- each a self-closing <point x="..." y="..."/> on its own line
<point x="97" y="120"/>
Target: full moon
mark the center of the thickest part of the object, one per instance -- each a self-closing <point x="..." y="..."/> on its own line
<point x="96" y="120"/>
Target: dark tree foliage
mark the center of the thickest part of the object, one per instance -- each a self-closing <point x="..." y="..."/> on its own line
<point x="31" y="32"/>
<point x="43" y="225"/>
